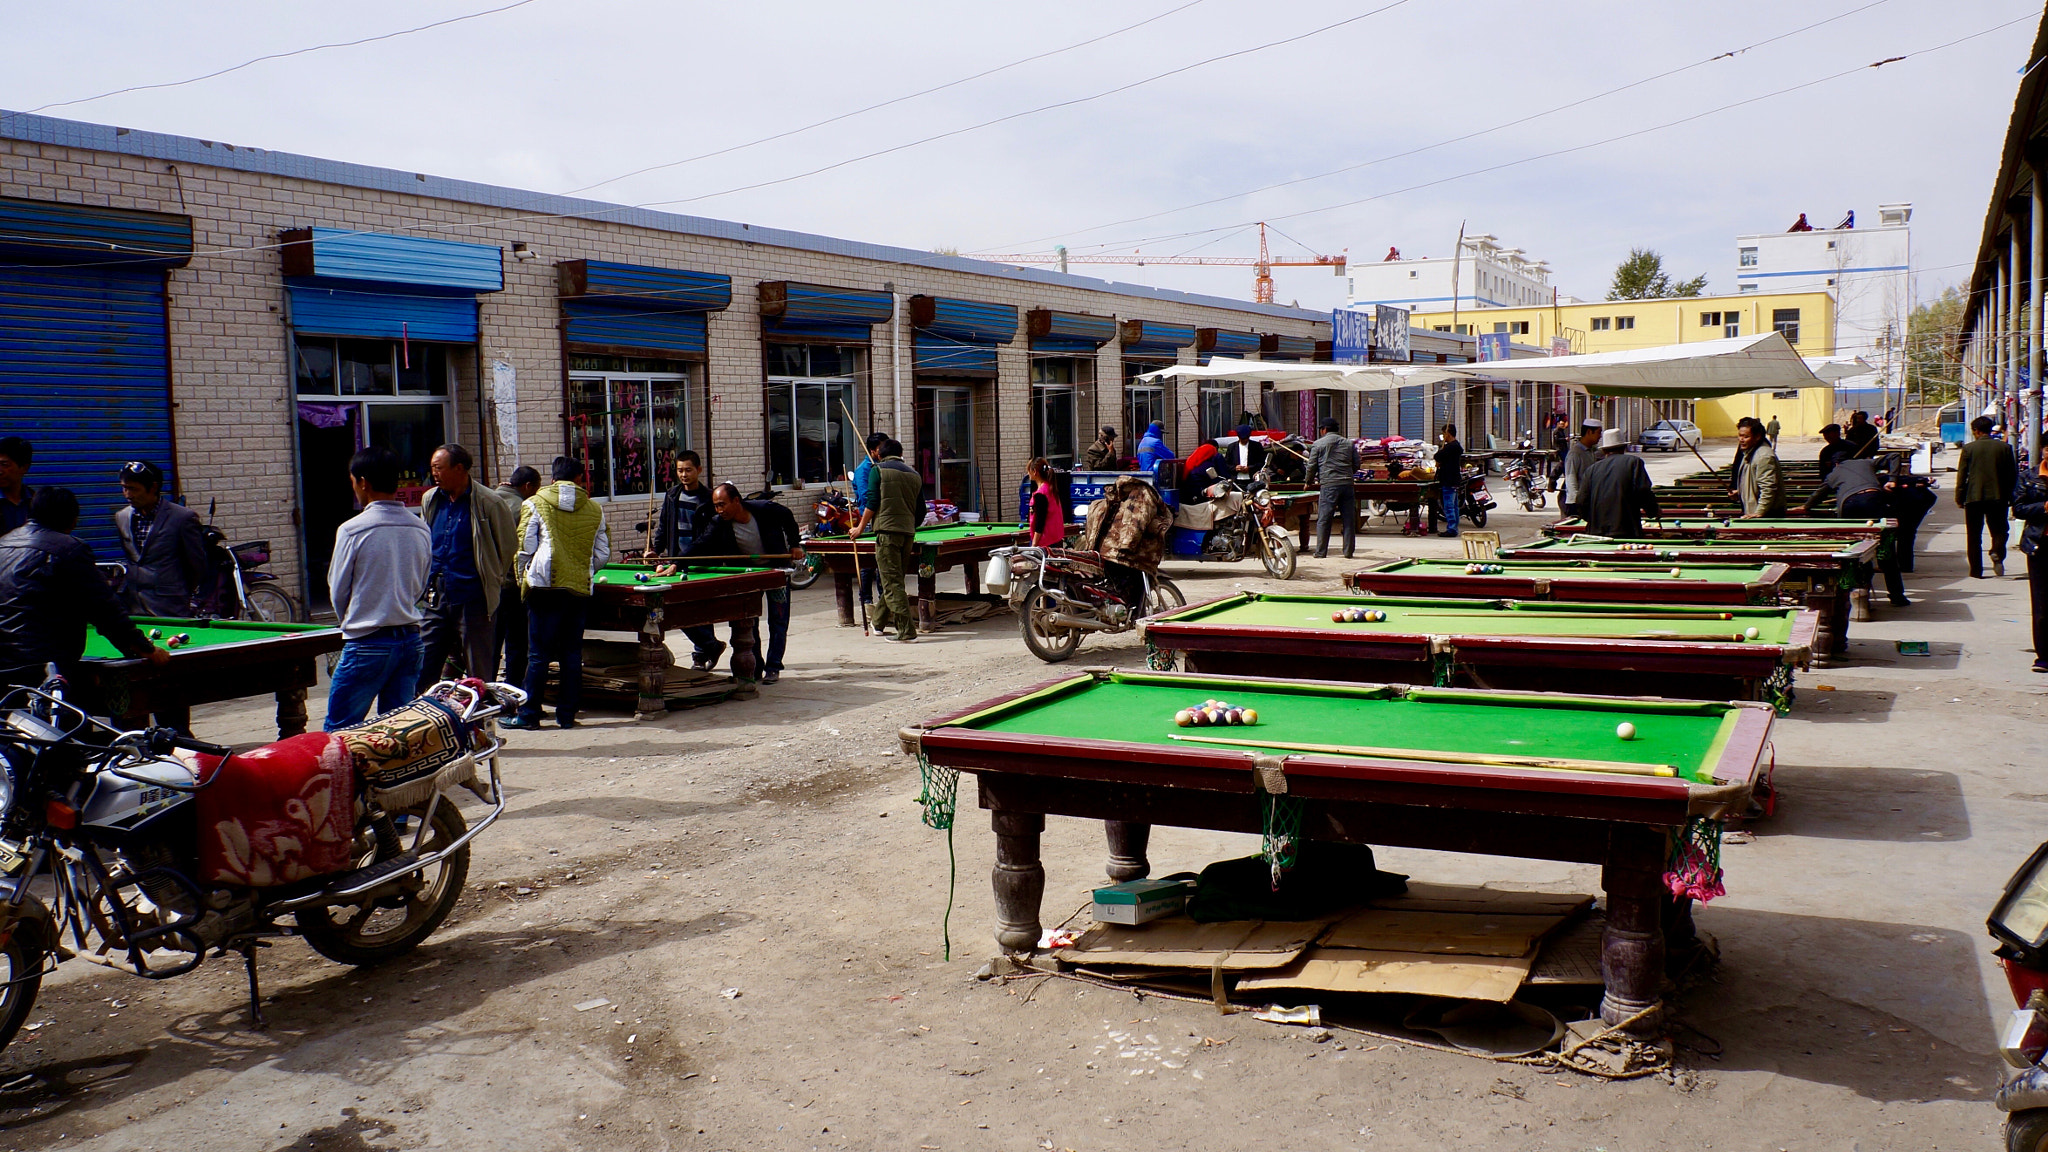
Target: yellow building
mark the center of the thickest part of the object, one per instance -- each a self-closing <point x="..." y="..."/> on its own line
<point x="1807" y="320"/>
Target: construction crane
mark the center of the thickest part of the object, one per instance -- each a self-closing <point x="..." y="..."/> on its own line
<point x="1262" y="265"/>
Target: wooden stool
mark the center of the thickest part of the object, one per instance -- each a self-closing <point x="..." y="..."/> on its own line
<point x="1480" y="545"/>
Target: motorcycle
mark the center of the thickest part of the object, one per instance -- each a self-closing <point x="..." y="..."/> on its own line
<point x="1241" y="522"/>
<point x="244" y="591"/>
<point x="833" y="519"/>
<point x="2019" y="922"/>
<point x="1474" y="501"/>
<point x="1522" y="483"/>
<point x="105" y="826"/>
<point x="1061" y="595"/>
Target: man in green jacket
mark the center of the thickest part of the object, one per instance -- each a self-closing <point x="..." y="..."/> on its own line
<point x="895" y="509"/>
<point x="473" y="546"/>
<point x="562" y="545"/>
<point x="1761" y="483"/>
<point x="1985" y="478"/>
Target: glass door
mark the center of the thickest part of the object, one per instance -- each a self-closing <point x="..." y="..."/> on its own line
<point x="1143" y="405"/>
<point x="945" y="444"/>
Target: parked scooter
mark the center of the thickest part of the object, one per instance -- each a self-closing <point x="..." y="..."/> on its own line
<point x="1061" y="595"/>
<point x="1244" y="524"/>
<point x="243" y="590"/>
<point x="1523" y="485"/>
<point x="2019" y="923"/>
<point x="1474" y="501"/>
<point x="105" y="825"/>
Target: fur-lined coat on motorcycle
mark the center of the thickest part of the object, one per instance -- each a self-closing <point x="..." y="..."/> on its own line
<point x="1128" y="525"/>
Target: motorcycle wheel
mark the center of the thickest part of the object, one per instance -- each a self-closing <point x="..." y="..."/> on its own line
<point x="23" y="974"/>
<point x="1166" y="596"/>
<point x="806" y="574"/>
<point x="1279" y="556"/>
<point x="2027" y="1131"/>
<point x="378" y="930"/>
<point x="1049" y="642"/>
<point x="271" y="606"/>
<point x="1478" y="517"/>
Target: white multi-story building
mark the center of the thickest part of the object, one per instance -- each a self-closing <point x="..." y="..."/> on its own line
<point x="1866" y="270"/>
<point x="1482" y="275"/>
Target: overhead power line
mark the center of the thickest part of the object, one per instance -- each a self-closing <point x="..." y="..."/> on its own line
<point x="285" y="56"/>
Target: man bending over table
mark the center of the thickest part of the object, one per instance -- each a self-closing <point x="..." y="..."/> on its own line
<point x="754" y="528"/>
<point x="49" y="592"/>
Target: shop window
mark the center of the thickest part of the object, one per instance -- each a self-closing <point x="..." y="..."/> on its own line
<point x="315" y="368"/>
<point x="1219" y="409"/>
<point x="1785" y="322"/>
<point x="812" y="390"/>
<point x="1055" y="406"/>
<point x="626" y="426"/>
<point x="368" y="368"/>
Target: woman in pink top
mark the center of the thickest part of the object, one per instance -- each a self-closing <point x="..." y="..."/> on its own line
<point x="1045" y="518"/>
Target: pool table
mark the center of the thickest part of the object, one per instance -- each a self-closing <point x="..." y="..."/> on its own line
<point x="964" y="546"/>
<point x="1692" y="652"/>
<point x="1435" y="768"/>
<point x="1824" y="570"/>
<point x="1721" y="527"/>
<point x="621" y="602"/>
<point x="1638" y="583"/>
<point x="226" y="660"/>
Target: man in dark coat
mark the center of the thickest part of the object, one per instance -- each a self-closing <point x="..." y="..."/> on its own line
<point x="754" y="528"/>
<point x="1617" y="490"/>
<point x="2030" y="508"/>
<point x="165" y="544"/>
<point x="1985" y="478"/>
<point x="16" y="454"/>
<point x="50" y="591"/>
<point x="684" y="508"/>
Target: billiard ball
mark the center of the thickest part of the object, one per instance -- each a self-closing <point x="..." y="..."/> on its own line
<point x="184" y="637"/>
<point x="1185" y="717"/>
<point x="1251" y="715"/>
<point x="1675" y="573"/>
<point x="156" y="633"/>
<point x="641" y="577"/>
<point x="1625" y="730"/>
<point x="1750" y="632"/>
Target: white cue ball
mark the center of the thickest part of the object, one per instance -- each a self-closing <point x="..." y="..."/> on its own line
<point x="1751" y="633"/>
<point x="1625" y="730"/>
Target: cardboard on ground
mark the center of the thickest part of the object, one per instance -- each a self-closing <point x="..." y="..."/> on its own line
<point x="1494" y="978"/>
<point x="1178" y="942"/>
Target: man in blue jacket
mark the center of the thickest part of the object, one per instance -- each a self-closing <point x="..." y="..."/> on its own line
<point x="1152" y="448"/>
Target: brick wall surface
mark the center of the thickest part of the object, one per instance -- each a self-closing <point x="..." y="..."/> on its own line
<point x="232" y="381"/>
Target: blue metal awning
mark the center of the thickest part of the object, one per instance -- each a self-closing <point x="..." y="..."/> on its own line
<point x="323" y="310"/>
<point x="959" y="337"/>
<point x="1286" y="348"/>
<point x="1078" y="332"/>
<point x="46" y="232"/>
<point x="1152" y="340"/>
<point x="641" y="288"/>
<point x="1211" y="342"/>
<point x="796" y="311"/>
<point x="417" y="262"/>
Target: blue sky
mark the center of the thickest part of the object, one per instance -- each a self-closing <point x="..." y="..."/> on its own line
<point x="556" y="95"/>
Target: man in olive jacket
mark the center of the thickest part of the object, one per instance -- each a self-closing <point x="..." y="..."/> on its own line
<point x="474" y="538"/>
<point x="895" y="509"/>
<point x="1985" y="478"/>
<point x="1760" y="485"/>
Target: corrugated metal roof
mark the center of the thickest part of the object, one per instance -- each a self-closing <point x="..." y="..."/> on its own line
<point x="642" y="287"/>
<point x="186" y="150"/>
<point x="47" y="232"/>
<point x="379" y="258"/>
<point x="970" y="321"/>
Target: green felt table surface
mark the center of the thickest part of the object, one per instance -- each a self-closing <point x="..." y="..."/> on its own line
<point x="933" y="535"/>
<point x="1583" y="570"/>
<point x="1727" y="523"/>
<point x="1606" y="547"/>
<point x="628" y="574"/>
<point x="205" y="634"/>
<point x="1406" y="616"/>
<point x="1133" y="708"/>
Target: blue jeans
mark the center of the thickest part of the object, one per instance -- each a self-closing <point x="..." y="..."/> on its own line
<point x="383" y="666"/>
<point x="1450" y="509"/>
<point x="555" y="633"/>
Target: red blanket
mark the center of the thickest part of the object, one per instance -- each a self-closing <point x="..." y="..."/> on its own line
<point x="282" y="813"/>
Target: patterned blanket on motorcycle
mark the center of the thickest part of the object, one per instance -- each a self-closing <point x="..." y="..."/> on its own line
<point x="411" y="752"/>
<point x="279" y="814"/>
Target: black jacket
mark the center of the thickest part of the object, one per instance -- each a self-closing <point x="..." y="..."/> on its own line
<point x="1450" y="464"/>
<point x="1617" y="495"/>
<point x="49" y="592"/>
<point x="2029" y="506"/>
<point x="715" y="535"/>
<point x="170" y="572"/>
<point x="683" y="512"/>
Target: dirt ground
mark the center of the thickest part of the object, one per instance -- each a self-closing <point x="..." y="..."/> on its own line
<point x="749" y="888"/>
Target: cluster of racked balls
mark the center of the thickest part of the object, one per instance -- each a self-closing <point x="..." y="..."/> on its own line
<point x="1358" y="616"/>
<point x="178" y="641"/>
<point x="1215" y="712"/>
<point x="1485" y="569"/>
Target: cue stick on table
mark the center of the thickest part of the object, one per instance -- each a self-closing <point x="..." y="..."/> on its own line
<point x="1520" y="615"/>
<point x="712" y="559"/>
<point x="1618" y="767"/>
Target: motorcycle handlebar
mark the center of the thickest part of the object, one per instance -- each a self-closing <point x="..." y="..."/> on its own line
<point x="161" y="740"/>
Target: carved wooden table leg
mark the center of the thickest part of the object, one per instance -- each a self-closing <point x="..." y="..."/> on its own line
<point x="1127" y="843"/>
<point x="842" y="592"/>
<point x="291" y="712"/>
<point x="746" y="659"/>
<point x="1632" y="949"/>
<point x="1018" y="877"/>
<point x="653" y="697"/>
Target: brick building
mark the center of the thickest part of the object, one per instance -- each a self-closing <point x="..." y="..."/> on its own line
<point x="248" y="318"/>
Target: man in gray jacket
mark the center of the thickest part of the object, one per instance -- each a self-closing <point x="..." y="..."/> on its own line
<point x="165" y="544"/>
<point x="1332" y="462"/>
<point x="472" y="533"/>
<point x="377" y="577"/>
<point x="1577" y="460"/>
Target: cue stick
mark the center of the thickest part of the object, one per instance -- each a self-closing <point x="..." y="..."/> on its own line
<point x="1511" y="614"/>
<point x="864" y="629"/>
<point x="709" y="559"/>
<point x="1619" y="767"/>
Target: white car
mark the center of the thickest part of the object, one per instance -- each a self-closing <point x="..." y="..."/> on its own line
<point x="1671" y="435"/>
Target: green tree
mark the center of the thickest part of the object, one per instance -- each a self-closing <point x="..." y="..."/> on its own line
<point x="1642" y="277"/>
<point x="1932" y="369"/>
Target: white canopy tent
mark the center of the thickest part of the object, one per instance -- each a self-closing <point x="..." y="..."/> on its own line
<point x="1834" y="369"/>
<point x="1698" y="371"/>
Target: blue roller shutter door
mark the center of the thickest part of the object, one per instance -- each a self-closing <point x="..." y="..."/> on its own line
<point x="85" y="377"/>
<point x="1411" y="412"/>
<point x="1372" y="414"/>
